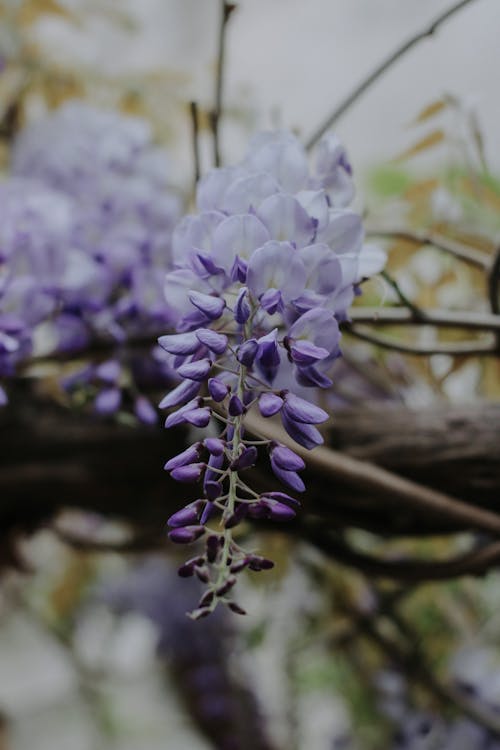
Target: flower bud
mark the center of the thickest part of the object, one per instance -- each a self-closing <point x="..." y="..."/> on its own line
<point x="186" y="516"/>
<point x="269" y="404"/>
<point x="217" y="389"/>
<point x="188" y="473"/>
<point x="186" y="534"/>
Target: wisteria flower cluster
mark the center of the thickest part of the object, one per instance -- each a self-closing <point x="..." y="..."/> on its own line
<point x="263" y="274"/>
<point x="86" y="219"/>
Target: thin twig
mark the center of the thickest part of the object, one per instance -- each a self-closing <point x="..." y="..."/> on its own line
<point x="475" y="563"/>
<point x="398" y="316"/>
<point x="380" y="70"/>
<point x="391" y="488"/>
<point x="193" y="108"/>
<point x="413" y="663"/>
<point x="465" y="253"/>
<point x="460" y="349"/>
<point x="417" y="313"/>
<point x="225" y="12"/>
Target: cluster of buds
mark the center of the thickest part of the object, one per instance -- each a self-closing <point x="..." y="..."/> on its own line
<point x="262" y="277"/>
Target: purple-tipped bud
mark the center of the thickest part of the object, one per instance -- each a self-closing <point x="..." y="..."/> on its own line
<point x="216" y="342"/>
<point x="108" y="401"/>
<point x="206" y="599"/>
<point x="213" y="547"/>
<point x="186" y="534"/>
<point x="286" y="459"/>
<point x="179" y="343"/>
<point x="217" y="389"/>
<point x="198" y="417"/>
<point x="195" y="370"/>
<point x="208" y="512"/>
<point x="269" y="404"/>
<point x="300" y="410"/>
<point x="235" y="407"/>
<point x="226" y="586"/>
<point x="245" y="460"/>
<point x="236" y="608"/>
<point x="282" y="498"/>
<point x="181" y="394"/>
<point x="213" y="489"/>
<point x="202" y="574"/>
<point x="189" y="456"/>
<point x="278" y="511"/>
<point x="177" y="417"/>
<point x="186" y="570"/>
<point x="307" y="353"/>
<point x="257" y="563"/>
<point x="188" y="473"/>
<point x="289" y="478"/>
<point x="239" y="565"/>
<point x="145" y="411"/>
<point x="238" y="516"/>
<point x="242" y="308"/>
<point x="215" y="446"/>
<point x="186" y="516"/>
<point x="258" y="510"/>
<point x="212" y="307"/>
<point x="109" y="371"/>
<point x="303" y="434"/>
<point x="247" y="352"/>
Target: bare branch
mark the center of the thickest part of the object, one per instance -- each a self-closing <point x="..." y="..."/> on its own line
<point x="461" y="348"/>
<point x="193" y="108"/>
<point x="380" y="70"/>
<point x="399" y="316"/>
<point x="395" y="489"/>
<point x="463" y="252"/>
<point x="476" y="562"/>
<point x="225" y="12"/>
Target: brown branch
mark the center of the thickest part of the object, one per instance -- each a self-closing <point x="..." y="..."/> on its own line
<point x="494" y="284"/>
<point x="462" y="348"/>
<point x="395" y="489"/>
<point x="476" y="562"/>
<point x="193" y="109"/>
<point x="225" y="12"/>
<point x="470" y="255"/>
<point x="381" y="316"/>
<point x="380" y="70"/>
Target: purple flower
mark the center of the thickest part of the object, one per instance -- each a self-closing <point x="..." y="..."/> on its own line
<point x="188" y="473"/>
<point x="269" y="404"/>
<point x="217" y="389"/>
<point x="212" y="307"/>
<point x="145" y="411"/>
<point x="300" y="410"/>
<point x="286" y="459"/>
<point x="186" y="516"/>
<point x="186" y="534"/>
<point x="108" y="401"/>
<point x="187" y="456"/>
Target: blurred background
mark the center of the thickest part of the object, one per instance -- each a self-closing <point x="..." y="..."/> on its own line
<point x="95" y="650"/>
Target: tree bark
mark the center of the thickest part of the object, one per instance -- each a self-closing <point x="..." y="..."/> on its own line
<point x="54" y="458"/>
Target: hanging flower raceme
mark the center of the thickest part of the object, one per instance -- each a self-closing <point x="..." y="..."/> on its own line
<point x="262" y="277"/>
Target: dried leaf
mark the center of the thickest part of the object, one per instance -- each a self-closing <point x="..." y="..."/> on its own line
<point x="429" y="141"/>
<point x="32" y="10"/>
<point x="432" y="109"/>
